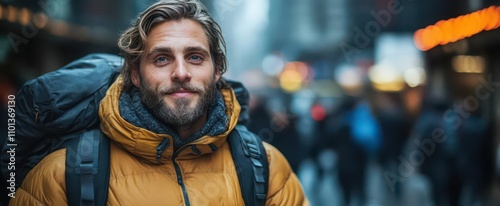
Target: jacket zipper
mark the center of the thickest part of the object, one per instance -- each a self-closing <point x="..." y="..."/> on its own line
<point x="179" y="177"/>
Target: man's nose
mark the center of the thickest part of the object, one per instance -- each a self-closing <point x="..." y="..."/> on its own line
<point x="181" y="72"/>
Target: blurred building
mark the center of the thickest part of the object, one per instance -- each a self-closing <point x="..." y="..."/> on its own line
<point x="40" y="36"/>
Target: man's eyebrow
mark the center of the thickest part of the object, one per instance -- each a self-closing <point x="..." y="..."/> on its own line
<point x="159" y="50"/>
<point x="197" y="49"/>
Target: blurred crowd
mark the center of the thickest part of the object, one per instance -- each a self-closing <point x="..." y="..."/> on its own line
<point x="451" y="151"/>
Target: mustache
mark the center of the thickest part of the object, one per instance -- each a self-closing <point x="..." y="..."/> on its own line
<point x="178" y="86"/>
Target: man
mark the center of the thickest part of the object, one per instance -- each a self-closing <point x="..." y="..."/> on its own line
<point x="168" y="117"/>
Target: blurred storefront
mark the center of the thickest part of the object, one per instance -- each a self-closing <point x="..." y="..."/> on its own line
<point x="463" y="59"/>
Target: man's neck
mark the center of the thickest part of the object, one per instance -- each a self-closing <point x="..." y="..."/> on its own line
<point x="186" y="131"/>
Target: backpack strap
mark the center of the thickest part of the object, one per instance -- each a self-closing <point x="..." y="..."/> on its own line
<point x="87" y="169"/>
<point x="250" y="160"/>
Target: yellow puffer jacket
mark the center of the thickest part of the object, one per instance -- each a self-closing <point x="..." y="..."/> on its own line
<point x="137" y="178"/>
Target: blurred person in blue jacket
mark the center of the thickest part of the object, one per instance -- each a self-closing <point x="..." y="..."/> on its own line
<point x="353" y="147"/>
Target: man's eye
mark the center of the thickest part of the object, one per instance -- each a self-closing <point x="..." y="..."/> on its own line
<point x="196" y="58"/>
<point x="161" y="60"/>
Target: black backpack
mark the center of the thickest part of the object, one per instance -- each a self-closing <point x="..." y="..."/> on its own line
<point x="60" y="110"/>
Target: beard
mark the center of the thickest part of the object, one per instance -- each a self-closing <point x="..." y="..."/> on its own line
<point x="181" y="114"/>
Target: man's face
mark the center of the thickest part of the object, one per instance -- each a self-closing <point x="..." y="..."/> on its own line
<point x="176" y="75"/>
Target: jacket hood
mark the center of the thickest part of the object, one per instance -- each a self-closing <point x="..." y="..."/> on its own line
<point x="144" y="143"/>
<point x="243" y="97"/>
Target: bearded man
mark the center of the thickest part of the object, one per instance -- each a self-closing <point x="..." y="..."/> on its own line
<point x="168" y="117"/>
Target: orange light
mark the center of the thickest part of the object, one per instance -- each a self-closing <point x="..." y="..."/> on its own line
<point x="431" y="37"/>
<point x="476" y="19"/>
<point x="427" y="38"/>
<point x="417" y="39"/>
<point x="454" y="29"/>
<point x="468" y="25"/>
<point x="11" y="13"/>
<point x="291" y="78"/>
<point x="24" y="16"/>
<point x="446" y="31"/>
<point x="493" y="19"/>
<point x="457" y="29"/>
<point x="59" y="28"/>
<point x="302" y="69"/>
<point x="484" y="18"/>
<point x="437" y="34"/>
<point x="40" y="20"/>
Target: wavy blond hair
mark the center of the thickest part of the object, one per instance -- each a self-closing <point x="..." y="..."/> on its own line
<point x="132" y="41"/>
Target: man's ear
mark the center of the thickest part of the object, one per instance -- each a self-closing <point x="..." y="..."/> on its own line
<point x="134" y="75"/>
<point x="217" y="74"/>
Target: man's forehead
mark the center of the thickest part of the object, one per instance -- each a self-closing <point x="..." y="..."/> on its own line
<point x="177" y="34"/>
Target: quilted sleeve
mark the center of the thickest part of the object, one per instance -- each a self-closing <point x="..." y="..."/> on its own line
<point x="45" y="183"/>
<point x="284" y="186"/>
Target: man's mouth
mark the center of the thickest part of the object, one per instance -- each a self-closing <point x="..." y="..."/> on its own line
<point x="181" y="93"/>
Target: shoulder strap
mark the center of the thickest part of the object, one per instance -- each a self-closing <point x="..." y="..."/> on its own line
<point x="87" y="169"/>
<point x="250" y="160"/>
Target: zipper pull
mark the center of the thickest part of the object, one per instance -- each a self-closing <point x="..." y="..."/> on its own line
<point x="36" y="114"/>
<point x="164" y="144"/>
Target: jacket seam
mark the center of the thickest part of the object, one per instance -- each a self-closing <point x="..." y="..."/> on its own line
<point x="32" y="196"/>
